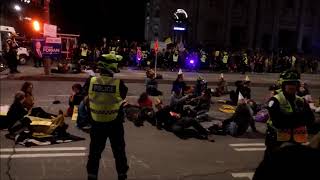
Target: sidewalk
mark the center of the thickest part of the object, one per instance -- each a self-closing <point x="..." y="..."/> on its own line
<point x="31" y="73"/>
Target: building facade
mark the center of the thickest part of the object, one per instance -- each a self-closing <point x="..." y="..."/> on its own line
<point x="268" y="24"/>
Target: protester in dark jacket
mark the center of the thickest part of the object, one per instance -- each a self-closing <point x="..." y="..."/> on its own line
<point x="170" y="120"/>
<point x="177" y="100"/>
<point x="15" y="116"/>
<point x="152" y="84"/>
<point x="179" y="83"/>
<point x="76" y="98"/>
<point x="28" y="103"/>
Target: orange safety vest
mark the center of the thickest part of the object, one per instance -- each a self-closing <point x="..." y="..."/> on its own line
<point x="299" y="134"/>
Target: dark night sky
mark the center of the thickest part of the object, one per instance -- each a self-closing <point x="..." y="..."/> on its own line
<point x="94" y="19"/>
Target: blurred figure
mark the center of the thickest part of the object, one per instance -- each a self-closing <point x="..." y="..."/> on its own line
<point x="11" y="55"/>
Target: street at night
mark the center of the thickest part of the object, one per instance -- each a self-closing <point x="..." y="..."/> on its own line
<point x="159" y="90"/>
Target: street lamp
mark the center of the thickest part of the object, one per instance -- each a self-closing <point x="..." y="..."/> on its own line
<point x="17" y="7"/>
<point x="36" y="25"/>
<point x="26" y="1"/>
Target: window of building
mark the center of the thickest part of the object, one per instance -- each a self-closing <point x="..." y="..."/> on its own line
<point x="289" y="4"/>
<point x="212" y="3"/>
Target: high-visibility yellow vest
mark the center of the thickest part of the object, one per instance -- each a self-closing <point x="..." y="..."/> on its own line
<point x="175" y="57"/>
<point x="225" y="58"/>
<point x="104" y="98"/>
<point x="299" y="134"/>
<point x="245" y="58"/>
<point x="144" y="54"/>
<point x="84" y="52"/>
<point x="216" y="53"/>
<point x="203" y="58"/>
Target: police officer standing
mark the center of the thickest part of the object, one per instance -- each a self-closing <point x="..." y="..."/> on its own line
<point x="105" y="97"/>
<point x="289" y="114"/>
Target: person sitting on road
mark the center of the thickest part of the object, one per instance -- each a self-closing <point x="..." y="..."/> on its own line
<point x="75" y="98"/>
<point x="178" y="100"/>
<point x="28" y="103"/>
<point x="146" y="109"/>
<point x="152" y="84"/>
<point x="84" y="116"/>
<point x="238" y="124"/>
<point x="179" y="83"/>
<point x="201" y="86"/>
<point x="222" y="88"/>
<point x="16" y="111"/>
<point x="203" y="102"/>
<point x="200" y="106"/>
<point x="243" y="88"/>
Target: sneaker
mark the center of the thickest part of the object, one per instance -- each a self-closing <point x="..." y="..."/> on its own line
<point x="86" y="127"/>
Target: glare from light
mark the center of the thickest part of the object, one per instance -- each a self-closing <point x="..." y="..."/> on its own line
<point x="36" y="25"/>
<point x="179" y="28"/>
<point x="191" y="61"/>
<point x="17" y="7"/>
<point x="183" y="12"/>
<point x="27" y="18"/>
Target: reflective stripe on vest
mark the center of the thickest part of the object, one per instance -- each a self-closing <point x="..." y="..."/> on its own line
<point x="299" y="134"/>
<point x="104" y="98"/>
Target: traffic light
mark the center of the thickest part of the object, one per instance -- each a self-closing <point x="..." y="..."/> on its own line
<point x="36" y="25"/>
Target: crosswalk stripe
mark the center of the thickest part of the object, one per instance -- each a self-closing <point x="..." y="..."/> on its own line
<point x="3" y="156"/>
<point x="250" y="149"/>
<point x="247" y="144"/>
<point x="44" y="149"/>
<point x="243" y="175"/>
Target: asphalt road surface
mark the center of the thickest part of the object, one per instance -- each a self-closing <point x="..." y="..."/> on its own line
<point x="152" y="154"/>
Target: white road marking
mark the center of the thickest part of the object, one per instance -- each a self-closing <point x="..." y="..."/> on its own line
<point x="247" y="144"/>
<point x="249" y="149"/>
<point x="243" y="175"/>
<point x="3" y="156"/>
<point x="44" y="149"/>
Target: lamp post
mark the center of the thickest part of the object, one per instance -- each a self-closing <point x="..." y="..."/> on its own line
<point x="17" y="7"/>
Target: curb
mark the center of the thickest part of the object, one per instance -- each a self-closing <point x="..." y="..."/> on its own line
<point x="127" y="80"/>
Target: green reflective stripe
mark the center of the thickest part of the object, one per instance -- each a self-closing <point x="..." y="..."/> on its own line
<point x="105" y="111"/>
<point x="104" y="103"/>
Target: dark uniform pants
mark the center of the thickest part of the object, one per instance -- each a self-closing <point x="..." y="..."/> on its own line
<point x="99" y="134"/>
